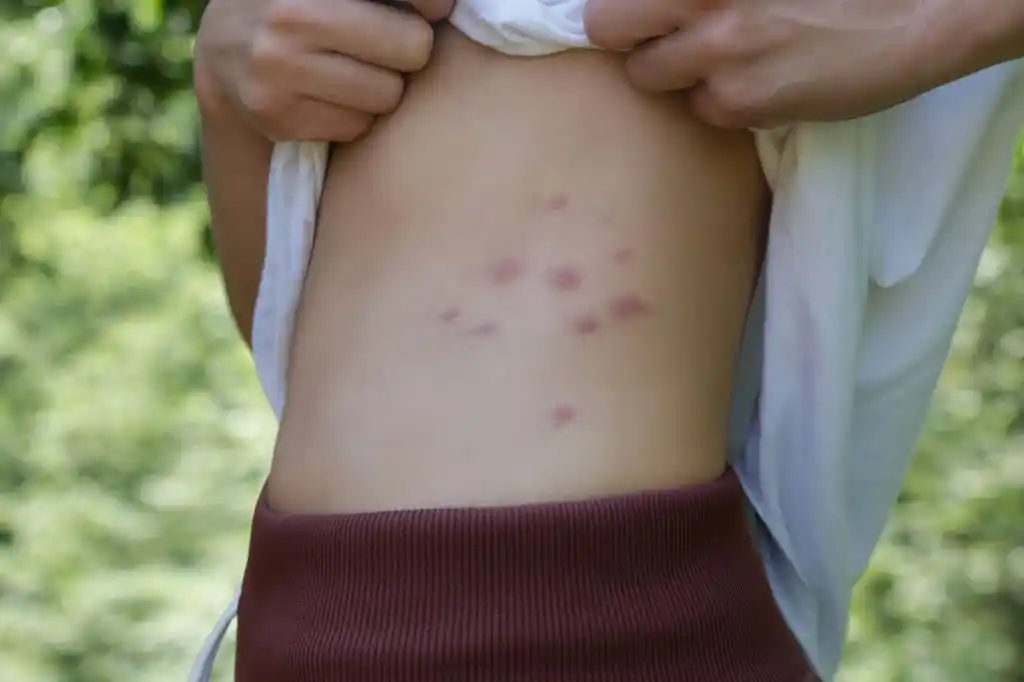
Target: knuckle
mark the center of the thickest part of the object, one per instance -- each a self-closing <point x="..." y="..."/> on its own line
<point x="597" y="26"/>
<point x="737" y="102"/>
<point x="266" y="56"/>
<point x="263" y="50"/>
<point x="407" y="39"/>
<point x="263" y="106"/>
<point x="650" y="72"/>
<point x="722" y="36"/>
<point x="286" y="14"/>
<point x="263" y="93"/>
<point x="419" y="41"/>
<point x="641" y="75"/>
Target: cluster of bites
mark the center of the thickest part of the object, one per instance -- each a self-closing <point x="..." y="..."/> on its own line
<point x="565" y="278"/>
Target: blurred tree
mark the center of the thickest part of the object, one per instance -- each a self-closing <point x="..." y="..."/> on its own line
<point x="132" y="433"/>
<point x="132" y="443"/>
<point x="110" y="82"/>
<point x="102" y="89"/>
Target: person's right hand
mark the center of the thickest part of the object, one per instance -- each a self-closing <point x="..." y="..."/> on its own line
<point x="310" y="69"/>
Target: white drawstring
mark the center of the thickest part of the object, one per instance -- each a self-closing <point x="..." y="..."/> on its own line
<point x="202" y="668"/>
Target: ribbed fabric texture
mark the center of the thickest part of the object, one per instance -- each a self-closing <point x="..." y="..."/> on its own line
<point x="654" y="587"/>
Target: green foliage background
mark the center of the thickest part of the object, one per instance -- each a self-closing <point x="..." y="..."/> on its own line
<point x="133" y="436"/>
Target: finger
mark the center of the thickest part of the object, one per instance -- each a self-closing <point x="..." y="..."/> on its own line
<point x="433" y="10"/>
<point x="723" y="108"/>
<point x="679" y="60"/>
<point x="293" y="115"/>
<point x="370" y="32"/>
<point x="345" y="82"/>
<point x="316" y="121"/>
<point x="623" y="24"/>
<point x="704" y="106"/>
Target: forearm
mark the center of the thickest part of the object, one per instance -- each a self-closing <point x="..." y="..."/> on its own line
<point x="995" y="30"/>
<point x="236" y="164"/>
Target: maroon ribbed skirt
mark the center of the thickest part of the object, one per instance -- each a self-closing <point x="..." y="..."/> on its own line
<point x="654" y="586"/>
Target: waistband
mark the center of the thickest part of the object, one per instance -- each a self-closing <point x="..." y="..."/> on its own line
<point x="651" y="586"/>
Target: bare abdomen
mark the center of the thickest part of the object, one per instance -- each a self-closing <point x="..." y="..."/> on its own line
<point x="528" y="284"/>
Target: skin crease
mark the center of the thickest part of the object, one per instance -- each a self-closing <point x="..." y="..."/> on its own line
<point x="420" y="379"/>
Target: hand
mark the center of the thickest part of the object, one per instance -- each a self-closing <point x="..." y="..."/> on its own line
<point x="310" y="69"/>
<point x="759" y="63"/>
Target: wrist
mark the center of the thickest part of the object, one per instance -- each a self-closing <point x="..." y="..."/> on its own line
<point x="995" y="30"/>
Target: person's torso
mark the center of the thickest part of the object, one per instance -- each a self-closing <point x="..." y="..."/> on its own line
<point x="528" y="284"/>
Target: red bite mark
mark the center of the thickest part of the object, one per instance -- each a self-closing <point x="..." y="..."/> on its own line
<point x="559" y="202"/>
<point x="485" y="329"/>
<point x="628" y="306"/>
<point x="563" y="415"/>
<point x="506" y="270"/>
<point x="451" y="315"/>
<point x="585" y="325"/>
<point x="566" y="278"/>
<point x="622" y="256"/>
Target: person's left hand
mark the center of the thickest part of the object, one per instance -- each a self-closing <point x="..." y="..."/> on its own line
<point x="758" y="63"/>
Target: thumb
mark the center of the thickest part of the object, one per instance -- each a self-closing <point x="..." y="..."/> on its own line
<point x="433" y="10"/>
<point x="624" y="24"/>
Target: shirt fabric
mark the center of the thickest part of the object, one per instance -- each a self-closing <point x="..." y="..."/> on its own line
<point x="877" y="229"/>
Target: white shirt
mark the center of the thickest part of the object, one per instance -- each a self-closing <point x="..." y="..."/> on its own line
<point x="877" y="228"/>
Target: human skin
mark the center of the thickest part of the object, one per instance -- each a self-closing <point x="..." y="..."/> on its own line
<point x="513" y="300"/>
<point x="761" y="63"/>
<point x="311" y="69"/>
<point x="530" y="321"/>
<point x="290" y="69"/>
